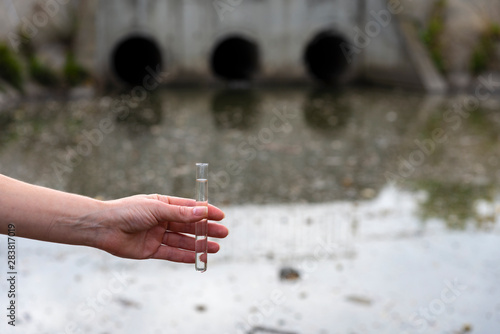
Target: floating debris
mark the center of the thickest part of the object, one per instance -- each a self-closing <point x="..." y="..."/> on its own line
<point x="368" y="193"/>
<point x="288" y="273"/>
<point x="466" y="328"/>
<point x="200" y="308"/>
<point x="128" y="303"/>
<point x="359" y="300"/>
<point x="264" y="330"/>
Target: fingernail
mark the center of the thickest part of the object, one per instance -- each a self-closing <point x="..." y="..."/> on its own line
<point x="200" y="211"/>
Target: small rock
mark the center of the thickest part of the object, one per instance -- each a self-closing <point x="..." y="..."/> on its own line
<point x="359" y="300"/>
<point x="289" y="274"/>
<point x="270" y="256"/>
<point x="466" y="328"/>
<point x="82" y="92"/>
<point x="201" y="308"/>
<point x="128" y="303"/>
<point x="368" y="193"/>
<point x="347" y="182"/>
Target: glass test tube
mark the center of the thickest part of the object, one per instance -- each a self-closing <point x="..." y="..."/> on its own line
<point x="201" y="227"/>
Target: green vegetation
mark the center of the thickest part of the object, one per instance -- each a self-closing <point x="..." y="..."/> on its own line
<point x="432" y="34"/>
<point x="26" y="47"/>
<point x="10" y="68"/>
<point x="74" y="73"/>
<point x="235" y="109"/>
<point x="13" y="65"/>
<point x="482" y="55"/>
<point x="6" y="127"/>
<point x="456" y="210"/>
<point x="42" y="74"/>
<point x="325" y="110"/>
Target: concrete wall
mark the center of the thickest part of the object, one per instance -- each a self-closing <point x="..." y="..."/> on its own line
<point x="187" y="32"/>
<point x="36" y="19"/>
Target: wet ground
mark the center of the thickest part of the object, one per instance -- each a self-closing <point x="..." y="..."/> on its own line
<point x="354" y="211"/>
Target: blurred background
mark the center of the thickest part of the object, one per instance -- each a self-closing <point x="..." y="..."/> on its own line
<point x="352" y="144"/>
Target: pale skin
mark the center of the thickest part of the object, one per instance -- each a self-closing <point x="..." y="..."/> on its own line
<point x="136" y="227"/>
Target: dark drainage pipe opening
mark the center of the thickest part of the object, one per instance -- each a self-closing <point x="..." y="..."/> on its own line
<point x="235" y="59"/>
<point x="133" y="57"/>
<point x="326" y="57"/>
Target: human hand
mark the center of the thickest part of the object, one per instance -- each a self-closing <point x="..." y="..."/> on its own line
<point x="154" y="226"/>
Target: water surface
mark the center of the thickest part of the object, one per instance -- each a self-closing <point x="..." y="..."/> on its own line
<point x="401" y="187"/>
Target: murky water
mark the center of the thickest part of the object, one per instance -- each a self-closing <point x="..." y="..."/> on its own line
<point x="273" y="146"/>
<point x="385" y="202"/>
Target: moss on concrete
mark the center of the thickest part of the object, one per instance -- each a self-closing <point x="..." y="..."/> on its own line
<point x="42" y="74"/>
<point x="432" y="34"/>
<point x="485" y="49"/>
<point x="74" y="73"/>
<point x="10" y="68"/>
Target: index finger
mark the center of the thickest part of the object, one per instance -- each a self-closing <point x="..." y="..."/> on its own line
<point x="214" y="213"/>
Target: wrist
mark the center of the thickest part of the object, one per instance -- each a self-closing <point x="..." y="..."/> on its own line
<point x="98" y="224"/>
<point x="89" y="226"/>
<point x="77" y="224"/>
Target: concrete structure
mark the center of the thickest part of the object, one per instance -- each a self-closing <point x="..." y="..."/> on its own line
<point x="200" y="41"/>
<point x="207" y="41"/>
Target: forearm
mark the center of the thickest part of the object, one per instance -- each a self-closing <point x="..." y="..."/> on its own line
<point x="45" y="214"/>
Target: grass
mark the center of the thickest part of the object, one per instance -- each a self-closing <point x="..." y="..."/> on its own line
<point x="432" y="34"/>
<point x="42" y="74"/>
<point x="74" y="73"/>
<point x="456" y="210"/>
<point x="10" y="68"/>
<point x="483" y="54"/>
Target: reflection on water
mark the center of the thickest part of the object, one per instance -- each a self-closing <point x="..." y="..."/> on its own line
<point x="371" y="254"/>
<point x="456" y="203"/>
<point x="235" y="109"/>
<point x="274" y="146"/>
<point x="326" y="109"/>
<point x="5" y="121"/>
<point x="139" y="116"/>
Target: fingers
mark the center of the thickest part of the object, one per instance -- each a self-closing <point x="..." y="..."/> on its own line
<point x="177" y="213"/>
<point x="174" y="254"/>
<point x="186" y="242"/>
<point x="215" y="230"/>
<point x="214" y="213"/>
<point x="175" y="200"/>
<point x="180" y="248"/>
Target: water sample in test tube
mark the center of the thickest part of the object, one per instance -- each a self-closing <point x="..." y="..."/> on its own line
<point x="201" y="227"/>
